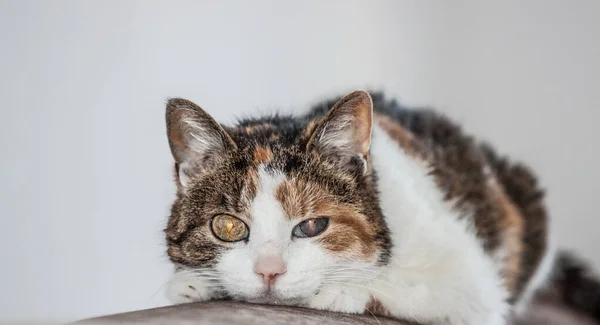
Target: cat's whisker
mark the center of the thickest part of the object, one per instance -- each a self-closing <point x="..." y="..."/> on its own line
<point x="338" y="270"/>
<point x="370" y="312"/>
<point x="206" y="273"/>
<point x="205" y="284"/>
<point x="341" y="265"/>
<point x="193" y="273"/>
<point x="199" y="270"/>
<point x="341" y="271"/>
<point x="158" y="290"/>
<point x="206" y="277"/>
<point x="348" y="278"/>
<point x="370" y="280"/>
<point x="357" y="285"/>
<point x="196" y="274"/>
<point x="346" y="268"/>
<point x="355" y="275"/>
<point x="353" y="272"/>
<point x="374" y="275"/>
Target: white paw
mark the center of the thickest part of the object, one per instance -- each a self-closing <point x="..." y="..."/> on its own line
<point x="490" y="317"/>
<point x="340" y="299"/>
<point x="183" y="289"/>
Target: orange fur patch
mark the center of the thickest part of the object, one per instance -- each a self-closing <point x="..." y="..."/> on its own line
<point x="403" y="137"/>
<point x="262" y="155"/>
<point x="310" y="128"/>
<point x="512" y="245"/>
<point x="349" y="234"/>
<point x="256" y="127"/>
<point x="296" y="198"/>
<point x="363" y="120"/>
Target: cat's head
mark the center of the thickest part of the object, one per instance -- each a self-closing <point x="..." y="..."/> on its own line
<point x="275" y="208"/>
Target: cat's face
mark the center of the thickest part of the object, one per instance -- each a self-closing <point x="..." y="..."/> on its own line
<point x="273" y="210"/>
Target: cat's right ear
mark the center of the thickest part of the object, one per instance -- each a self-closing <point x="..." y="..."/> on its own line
<point x="197" y="141"/>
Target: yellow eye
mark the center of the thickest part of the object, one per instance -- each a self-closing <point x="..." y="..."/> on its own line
<point x="229" y="228"/>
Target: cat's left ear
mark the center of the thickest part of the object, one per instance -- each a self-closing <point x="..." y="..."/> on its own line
<point x="344" y="135"/>
<point x="197" y="141"/>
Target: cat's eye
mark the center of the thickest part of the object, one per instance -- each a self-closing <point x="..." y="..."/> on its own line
<point x="310" y="227"/>
<point x="229" y="228"/>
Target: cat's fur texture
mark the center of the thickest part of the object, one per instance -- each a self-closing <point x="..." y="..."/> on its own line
<point x="425" y="223"/>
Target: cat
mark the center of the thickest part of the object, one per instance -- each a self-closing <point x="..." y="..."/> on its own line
<point x="358" y="206"/>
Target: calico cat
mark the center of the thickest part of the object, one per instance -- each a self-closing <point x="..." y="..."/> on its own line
<point x="367" y="207"/>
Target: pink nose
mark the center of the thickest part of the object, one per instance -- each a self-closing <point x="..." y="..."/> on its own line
<point x="269" y="267"/>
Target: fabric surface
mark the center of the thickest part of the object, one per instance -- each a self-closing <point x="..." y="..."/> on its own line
<point x="236" y="313"/>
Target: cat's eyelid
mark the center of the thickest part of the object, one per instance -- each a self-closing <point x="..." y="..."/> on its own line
<point x="301" y="220"/>
<point x="243" y="218"/>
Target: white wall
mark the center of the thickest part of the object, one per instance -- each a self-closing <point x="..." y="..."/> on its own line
<point x="85" y="168"/>
<point x="526" y="76"/>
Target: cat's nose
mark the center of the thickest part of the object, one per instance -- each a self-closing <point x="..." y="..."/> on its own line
<point x="269" y="267"/>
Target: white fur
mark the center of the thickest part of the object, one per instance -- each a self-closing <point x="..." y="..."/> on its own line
<point x="540" y="277"/>
<point x="337" y="135"/>
<point x="203" y="138"/>
<point x="186" y="286"/>
<point x="200" y="139"/>
<point x="184" y="178"/>
<point x="439" y="272"/>
<point x="346" y="298"/>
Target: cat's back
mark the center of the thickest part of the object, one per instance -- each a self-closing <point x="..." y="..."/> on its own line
<point x="502" y="198"/>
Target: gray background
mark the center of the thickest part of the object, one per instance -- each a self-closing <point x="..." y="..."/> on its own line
<point x="85" y="171"/>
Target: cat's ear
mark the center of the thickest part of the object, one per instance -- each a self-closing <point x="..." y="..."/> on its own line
<point x="344" y="134"/>
<point x="197" y="141"/>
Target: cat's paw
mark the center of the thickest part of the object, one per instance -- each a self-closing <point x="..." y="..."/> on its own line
<point x="181" y="290"/>
<point x="346" y="299"/>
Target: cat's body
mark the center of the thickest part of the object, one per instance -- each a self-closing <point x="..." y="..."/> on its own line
<point x="395" y="212"/>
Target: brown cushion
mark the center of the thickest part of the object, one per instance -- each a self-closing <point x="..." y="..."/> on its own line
<point x="236" y="313"/>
